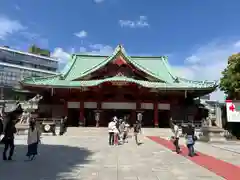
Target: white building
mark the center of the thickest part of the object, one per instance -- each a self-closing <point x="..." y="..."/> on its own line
<point x="16" y="65"/>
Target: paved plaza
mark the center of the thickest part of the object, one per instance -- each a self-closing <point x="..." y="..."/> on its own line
<point x="85" y="154"/>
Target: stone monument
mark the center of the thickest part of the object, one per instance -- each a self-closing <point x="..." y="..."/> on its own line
<point x="29" y="107"/>
<point x="212" y="130"/>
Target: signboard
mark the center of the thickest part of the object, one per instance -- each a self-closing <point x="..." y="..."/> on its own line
<point x="233" y="111"/>
<point x="119" y="83"/>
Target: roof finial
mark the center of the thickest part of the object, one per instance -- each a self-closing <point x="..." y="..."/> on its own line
<point x="120" y="46"/>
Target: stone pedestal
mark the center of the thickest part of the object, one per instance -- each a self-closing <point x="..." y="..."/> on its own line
<point x="212" y="134"/>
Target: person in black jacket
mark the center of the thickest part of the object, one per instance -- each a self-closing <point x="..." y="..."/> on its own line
<point x="8" y="139"/>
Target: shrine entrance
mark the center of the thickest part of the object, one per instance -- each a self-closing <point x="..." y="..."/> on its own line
<point x="89" y="116"/>
<point x="148" y="118"/>
<point x="164" y="119"/>
<point x="108" y="114"/>
<point x="73" y="117"/>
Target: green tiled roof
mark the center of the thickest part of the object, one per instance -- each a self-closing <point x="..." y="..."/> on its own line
<point x="58" y="83"/>
<point x="82" y="65"/>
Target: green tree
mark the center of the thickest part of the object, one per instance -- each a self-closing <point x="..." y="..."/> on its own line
<point x="230" y="82"/>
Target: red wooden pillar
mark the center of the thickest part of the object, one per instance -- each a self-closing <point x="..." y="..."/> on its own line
<point x="155" y="114"/>
<point x="81" y="116"/>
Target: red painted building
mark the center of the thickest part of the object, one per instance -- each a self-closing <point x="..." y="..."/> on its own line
<point x="119" y="85"/>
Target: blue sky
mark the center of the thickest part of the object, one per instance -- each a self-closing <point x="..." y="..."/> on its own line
<point x="198" y="36"/>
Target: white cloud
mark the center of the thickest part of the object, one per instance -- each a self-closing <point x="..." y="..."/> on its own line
<point x="207" y="63"/>
<point x="140" y="23"/>
<point x="81" y="34"/>
<point x="99" y="49"/>
<point x="9" y="27"/>
<point x="98" y="1"/>
<point x="61" y="54"/>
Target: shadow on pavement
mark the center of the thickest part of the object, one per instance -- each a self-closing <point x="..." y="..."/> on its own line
<point x="53" y="162"/>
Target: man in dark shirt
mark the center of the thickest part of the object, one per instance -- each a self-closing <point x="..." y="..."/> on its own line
<point x="8" y="141"/>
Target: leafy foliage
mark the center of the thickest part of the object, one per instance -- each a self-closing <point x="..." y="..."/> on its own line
<point x="230" y="82"/>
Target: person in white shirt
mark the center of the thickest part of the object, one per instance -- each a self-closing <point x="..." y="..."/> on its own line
<point x="111" y="128"/>
<point x="33" y="140"/>
<point x="176" y="132"/>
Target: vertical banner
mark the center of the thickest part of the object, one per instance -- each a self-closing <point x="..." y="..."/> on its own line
<point x="233" y="111"/>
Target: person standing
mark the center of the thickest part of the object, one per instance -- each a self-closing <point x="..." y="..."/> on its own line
<point x="116" y="135"/>
<point x="111" y="127"/>
<point x="176" y="132"/>
<point x="33" y="140"/>
<point x="121" y="129"/>
<point x="63" y="125"/>
<point x="8" y="139"/>
<point x="125" y="132"/>
<point x="136" y="131"/>
<point x="190" y="139"/>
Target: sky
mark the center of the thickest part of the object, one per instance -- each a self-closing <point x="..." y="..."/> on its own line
<point x="197" y="36"/>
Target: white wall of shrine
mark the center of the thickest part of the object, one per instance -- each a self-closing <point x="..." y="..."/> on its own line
<point x="119" y="105"/>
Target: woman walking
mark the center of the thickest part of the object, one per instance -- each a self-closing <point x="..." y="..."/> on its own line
<point x="33" y="140"/>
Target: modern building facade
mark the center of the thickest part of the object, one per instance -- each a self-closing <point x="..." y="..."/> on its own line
<point x="92" y="89"/>
<point x="16" y="65"/>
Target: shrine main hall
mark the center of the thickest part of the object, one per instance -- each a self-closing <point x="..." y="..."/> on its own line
<point x="92" y="89"/>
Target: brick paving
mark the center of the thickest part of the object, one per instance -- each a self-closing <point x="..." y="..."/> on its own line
<point x="85" y="154"/>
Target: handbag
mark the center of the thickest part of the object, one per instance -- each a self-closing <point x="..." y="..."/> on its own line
<point x="195" y="138"/>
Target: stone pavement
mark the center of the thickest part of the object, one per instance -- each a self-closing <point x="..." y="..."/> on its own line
<point x="228" y="151"/>
<point x="230" y="146"/>
<point x="86" y="155"/>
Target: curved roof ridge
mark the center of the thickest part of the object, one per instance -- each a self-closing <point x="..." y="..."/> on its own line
<point x="32" y="78"/>
<point x="197" y="81"/>
<point x="146" y="70"/>
<point x="170" y="72"/>
<point x="104" y="62"/>
<point x="88" y="83"/>
<point x="68" y="66"/>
